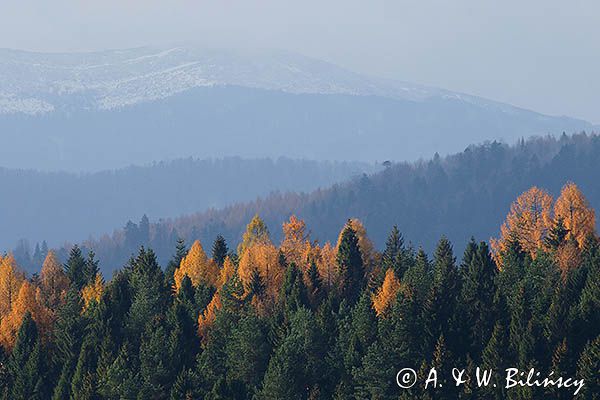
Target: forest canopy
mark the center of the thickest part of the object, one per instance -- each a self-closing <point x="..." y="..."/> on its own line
<point x="296" y="319"/>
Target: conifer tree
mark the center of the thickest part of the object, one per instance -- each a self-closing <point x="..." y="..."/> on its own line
<point x="557" y="235"/>
<point x="350" y="265"/>
<point x="68" y="333"/>
<point x="292" y="370"/>
<point x="75" y="268"/>
<point x="387" y="293"/>
<point x="294" y="294"/>
<point x="91" y="269"/>
<point x="149" y="295"/>
<point x="477" y="298"/>
<point x="180" y="252"/>
<point x="256" y="233"/>
<point x="441" y="361"/>
<point x="587" y="369"/>
<point x="494" y="358"/>
<point x="183" y="342"/>
<point x="25" y="365"/>
<point x="120" y="380"/>
<point x="444" y="293"/>
<point x="54" y="282"/>
<point x="393" y="255"/>
<point x="219" y="250"/>
<point x="315" y="285"/>
<point x="11" y="279"/>
<point x="187" y="386"/>
<point x="579" y="218"/>
<point x="83" y="382"/>
<point x="156" y="374"/>
<point x="247" y="351"/>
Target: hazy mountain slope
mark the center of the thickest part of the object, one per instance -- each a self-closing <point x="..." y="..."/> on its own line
<point x="91" y="111"/>
<point x="61" y="206"/>
<point x="464" y="195"/>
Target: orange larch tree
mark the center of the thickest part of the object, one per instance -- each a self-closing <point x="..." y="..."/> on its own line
<point x="207" y="318"/>
<point x="226" y="272"/>
<point x="296" y="243"/>
<point x="386" y="294"/>
<point x="92" y="291"/>
<point x="528" y="223"/>
<point x="577" y="215"/>
<point x="256" y="233"/>
<point x="264" y="258"/>
<point x="197" y="267"/>
<point x="327" y="266"/>
<point x="11" y="279"/>
<point x="53" y="282"/>
<point x="27" y="300"/>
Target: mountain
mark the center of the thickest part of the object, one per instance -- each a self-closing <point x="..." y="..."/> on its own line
<point x="462" y="195"/>
<point x="101" y="110"/>
<point x="59" y="206"/>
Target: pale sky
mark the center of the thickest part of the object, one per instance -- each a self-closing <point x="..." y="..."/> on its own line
<point x="539" y="54"/>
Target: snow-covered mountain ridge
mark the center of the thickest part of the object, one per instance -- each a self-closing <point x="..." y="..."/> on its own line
<point x="38" y="83"/>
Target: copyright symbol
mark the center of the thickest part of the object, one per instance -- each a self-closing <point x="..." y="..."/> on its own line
<point x="406" y="378"/>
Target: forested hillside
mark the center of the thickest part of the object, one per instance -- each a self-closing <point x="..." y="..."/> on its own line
<point x="463" y="195"/>
<point x="304" y="320"/>
<point x="60" y="206"/>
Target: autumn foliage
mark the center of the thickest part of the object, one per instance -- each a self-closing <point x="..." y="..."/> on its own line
<point x="579" y="218"/>
<point x="534" y="215"/>
<point x="387" y="293"/>
<point x="198" y="267"/>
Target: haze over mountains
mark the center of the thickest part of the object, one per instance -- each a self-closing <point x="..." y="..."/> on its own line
<point x="60" y="206"/>
<point x="92" y="111"/>
<point x="462" y="195"/>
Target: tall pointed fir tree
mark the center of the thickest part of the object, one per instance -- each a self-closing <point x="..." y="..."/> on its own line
<point x="75" y="268"/>
<point x="350" y="265"/>
<point x="181" y="251"/>
<point x="477" y="298"/>
<point x="26" y="364"/>
<point x="219" y="250"/>
<point x="68" y="333"/>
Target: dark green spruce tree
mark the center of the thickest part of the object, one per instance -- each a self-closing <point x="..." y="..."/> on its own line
<point x="26" y="364"/>
<point x="181" y="251"/>
<point x="219" y="250"/>
<point x="350" y="266"/>
<point x="75" y="268"/>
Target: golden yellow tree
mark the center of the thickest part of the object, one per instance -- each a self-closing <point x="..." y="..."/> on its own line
<point x="386" y="294"/>
<point x="227" y="272"/>
<point x="27" y="300"/>
<point x="53" y="282"/>
<point x="11" y="279"/>
<point x="256" y="233"/>
<point x="568" y="256"/>
<point x="93" y="291"/>
<point x="327" y="266"/>
<point x="295" y="245"/>
<point x="207" y="318"/>
<point x="528" y="223"/>
<point x="264" y="258"/>
<point x="578" y="217"/>
<point x="197" y="267"/>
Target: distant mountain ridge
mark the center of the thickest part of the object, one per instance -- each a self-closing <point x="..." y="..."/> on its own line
<point x="110" y="109"/>
<point x="118" y="78"/>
